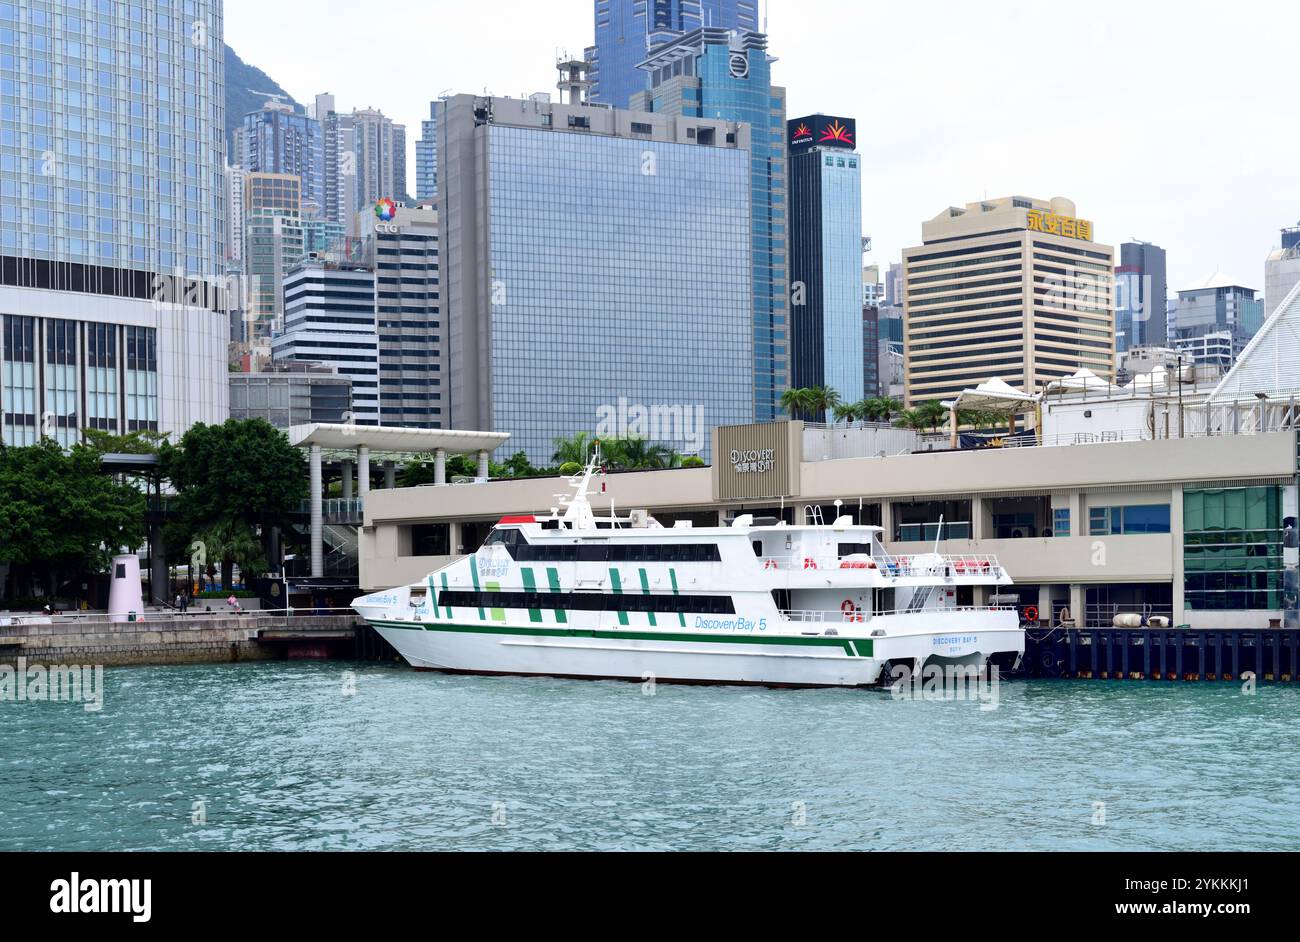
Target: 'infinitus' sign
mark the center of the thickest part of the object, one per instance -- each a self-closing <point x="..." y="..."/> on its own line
<point x="820" y="130"/>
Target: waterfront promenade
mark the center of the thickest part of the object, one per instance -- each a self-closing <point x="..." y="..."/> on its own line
<point x="169" y="638"/>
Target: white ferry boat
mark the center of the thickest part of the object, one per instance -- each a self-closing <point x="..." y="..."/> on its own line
<point x="757" y="602"/>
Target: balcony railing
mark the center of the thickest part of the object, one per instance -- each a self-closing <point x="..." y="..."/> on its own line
<point x="945" y="566"/>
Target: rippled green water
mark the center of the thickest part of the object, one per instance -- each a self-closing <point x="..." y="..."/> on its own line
<point x="282" y="759"/>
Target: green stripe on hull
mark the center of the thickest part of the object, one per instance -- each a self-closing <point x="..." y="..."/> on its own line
<point x="473" y="574"/>
<point x="444" y="588"/>
<point x="859" y="647"/>
<point x="672" y="574"/>
<point x="645" y="590"/>
<point x="530" y="585"/>
<point x="617" y="585"/>
<point x="553" y="577"/>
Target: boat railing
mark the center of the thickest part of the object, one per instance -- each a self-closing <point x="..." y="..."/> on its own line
<point x="850" y="616"/>
<point x="892" y="566"/>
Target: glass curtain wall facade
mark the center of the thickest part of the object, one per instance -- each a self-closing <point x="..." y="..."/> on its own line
<point x="1232" y="548"/>
<point x="610" y="282"/>
<point x="626" y="29"/>
<point x="112" y="145"/>
<point x="719" y="74"/>
<point x="276" y="140"/>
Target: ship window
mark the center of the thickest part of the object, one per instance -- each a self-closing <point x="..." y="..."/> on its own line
<point x="852" y="549"/>
<point x="590" y="601"/>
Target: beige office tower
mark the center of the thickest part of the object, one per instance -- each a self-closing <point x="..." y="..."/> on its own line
<point x="1013" y="288"/>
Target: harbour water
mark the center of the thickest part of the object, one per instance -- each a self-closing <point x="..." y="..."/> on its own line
<point x="343" y="756"/>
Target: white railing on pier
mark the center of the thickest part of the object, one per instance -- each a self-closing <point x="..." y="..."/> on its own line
<point x="841" y="616"/>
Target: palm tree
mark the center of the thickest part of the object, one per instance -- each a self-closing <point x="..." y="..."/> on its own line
<point x="576" y="448"/>
<point x="847" y="412"/>
<point x="233" y="543"/>
<point x="933" y="412"/>
<point x="638" y="454"/>
<point x="797" y="402"/>
<point x="882" y="408"/>
<point x="822" y="399"/>
<point x="910" y="418"/>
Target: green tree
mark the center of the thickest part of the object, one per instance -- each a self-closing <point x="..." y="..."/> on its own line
<point x="61" y="517"/>
<point x="795" y="402"/>
<point x="934" y="413"/>
<point x="637" y="454"/>
<point x="232" y="543"/>
<point x="243" y="471"/>
<point x="848" y="412"/>
<point x="576" y="447"/>
<point x="910" y="418"/>
<point x="822" y="400"/>
<point x="883" y="408"/>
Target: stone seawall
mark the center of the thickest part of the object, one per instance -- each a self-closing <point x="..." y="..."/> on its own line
<point x="170" y="640"/>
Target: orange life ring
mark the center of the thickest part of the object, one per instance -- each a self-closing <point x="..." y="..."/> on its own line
<point x="810" y="564"/>
<point x="851" y="611"/>
<point x="1031" y="613"/>
<point x="770" y="564"/>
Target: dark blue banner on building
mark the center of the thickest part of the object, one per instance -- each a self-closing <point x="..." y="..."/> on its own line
<point x="820" y="130"/>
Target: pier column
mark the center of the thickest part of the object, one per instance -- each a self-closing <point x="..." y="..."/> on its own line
<point x="977" y="527"/>
<point x="347" y="479"/>
<point x="390" y="475"/>
<point x="317" y="517"/>
<point x="887" y="519"/>
<point x="1178" y="613"/>
<point x="363" y="470"/>
<point x="483" y="464"/>
<point x="440" y="466"/>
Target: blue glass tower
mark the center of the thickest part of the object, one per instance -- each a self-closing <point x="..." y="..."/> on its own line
<point x="726" y="74"/>
<point x="279" y="140"/>
<point x="626" y="30"/>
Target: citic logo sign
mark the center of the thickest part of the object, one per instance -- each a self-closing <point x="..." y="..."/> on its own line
<point x="386" y="212"/>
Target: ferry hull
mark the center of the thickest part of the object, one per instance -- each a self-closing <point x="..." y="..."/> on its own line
<point x="774" y="660"/>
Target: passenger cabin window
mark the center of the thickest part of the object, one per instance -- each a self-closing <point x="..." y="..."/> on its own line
<point x="758" y="547"/>
<point x="853" y="549"/>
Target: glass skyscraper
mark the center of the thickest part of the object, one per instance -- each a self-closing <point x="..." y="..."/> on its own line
<point x="426" y="156"/>
<point x="826" y="302"/>
<point x="111" y="133"/>
<point x="593" y="255"/>
<point x="626" y="30"/>
<point x="726" y="74"/>
<point x="112" y="217"/>
<point x="278" y="140"/>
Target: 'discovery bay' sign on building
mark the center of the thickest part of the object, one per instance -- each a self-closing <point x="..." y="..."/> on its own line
<point x="757" y="461"/>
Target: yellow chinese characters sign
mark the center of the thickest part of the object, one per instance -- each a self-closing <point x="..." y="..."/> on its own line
<point x="1067" y="226"/>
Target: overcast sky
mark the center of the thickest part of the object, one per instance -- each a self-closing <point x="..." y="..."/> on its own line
<point x="1175" y="123"/>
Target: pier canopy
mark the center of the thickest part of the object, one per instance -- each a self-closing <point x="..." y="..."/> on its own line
<point x="394" y="439"/>
<point x="992" y="396"/>
<point x="347" y="443"/>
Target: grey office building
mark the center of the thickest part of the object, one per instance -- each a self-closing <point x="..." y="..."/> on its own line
<point x="291" y="394"/>
<point x="1140" y="298"/>
<point x="405" y="258"/>
<point x="592" y="255"/>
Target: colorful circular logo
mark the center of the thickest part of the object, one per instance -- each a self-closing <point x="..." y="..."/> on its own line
<point x="385" y="209"/>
